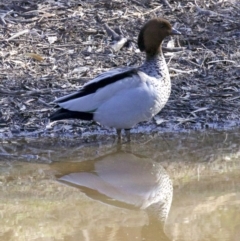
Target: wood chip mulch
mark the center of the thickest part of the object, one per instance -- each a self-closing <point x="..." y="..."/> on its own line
<point x="49" y="48"/>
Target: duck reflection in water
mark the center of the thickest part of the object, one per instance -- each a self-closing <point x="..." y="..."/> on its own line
<point x="129" y="179"/>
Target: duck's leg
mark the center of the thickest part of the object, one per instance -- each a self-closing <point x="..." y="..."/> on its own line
<point x="119" y="136"/>
<point x="127" y="131"/>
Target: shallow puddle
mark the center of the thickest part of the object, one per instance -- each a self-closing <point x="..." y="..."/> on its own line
<point x="65" y="189"/>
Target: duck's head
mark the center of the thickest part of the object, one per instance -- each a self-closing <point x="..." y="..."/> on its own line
<point x="152" y="34"/>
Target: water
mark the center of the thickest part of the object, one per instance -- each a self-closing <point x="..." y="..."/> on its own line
<point x="65" y="189"/>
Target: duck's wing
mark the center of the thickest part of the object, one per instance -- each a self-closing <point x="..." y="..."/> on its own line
<point x="101" y="81"/>
<point x="95" y="182"/>
<point x="110" y="74"/>
<point x="83" y="103"/>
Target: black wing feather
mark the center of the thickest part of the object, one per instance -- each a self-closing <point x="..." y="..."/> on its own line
<point x="68" y="114"/>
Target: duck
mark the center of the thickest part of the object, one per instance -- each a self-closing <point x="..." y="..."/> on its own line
<point x="126" y="180"/>
<point x="123" y="97"/>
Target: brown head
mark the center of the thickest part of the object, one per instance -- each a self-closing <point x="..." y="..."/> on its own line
<point x="152" y="34"/>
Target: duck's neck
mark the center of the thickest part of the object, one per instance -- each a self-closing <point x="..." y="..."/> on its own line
<point x="155" y="66"/>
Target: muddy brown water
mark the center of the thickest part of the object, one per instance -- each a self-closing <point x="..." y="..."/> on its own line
<point x="73" y="189"/>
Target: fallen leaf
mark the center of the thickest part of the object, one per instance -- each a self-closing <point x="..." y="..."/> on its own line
<point x="52" y="39"/>
<point x="35" y="56"/>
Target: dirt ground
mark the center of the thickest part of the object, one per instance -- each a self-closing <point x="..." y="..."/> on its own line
<point x="51" y="48"/>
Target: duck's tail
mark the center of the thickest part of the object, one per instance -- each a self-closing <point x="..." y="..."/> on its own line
<point x="61" y="114"/>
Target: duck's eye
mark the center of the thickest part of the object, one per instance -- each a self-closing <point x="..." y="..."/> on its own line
<point x="163" y="26"/>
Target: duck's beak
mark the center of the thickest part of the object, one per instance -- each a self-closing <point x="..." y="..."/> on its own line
<point x="175" y="32"/>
